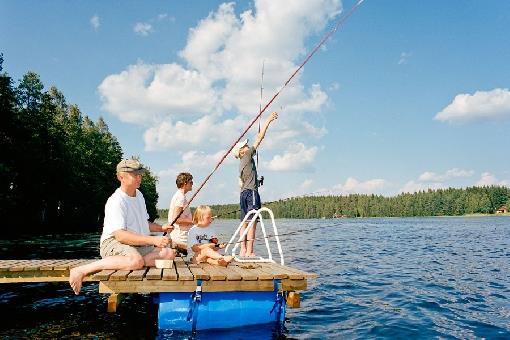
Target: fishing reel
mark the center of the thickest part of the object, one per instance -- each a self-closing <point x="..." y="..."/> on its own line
<point x="261" y="181"/>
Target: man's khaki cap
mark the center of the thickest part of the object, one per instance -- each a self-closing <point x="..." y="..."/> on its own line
<point x="130" y="165"/>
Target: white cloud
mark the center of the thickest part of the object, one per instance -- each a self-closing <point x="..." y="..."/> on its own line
<point x="353" y="186"/>
<point x="186" y="136"/>
<point x="164" y="16"/>
<point x="487" y="179"/>
<point x="429" y="176"/>
<point x="306" y="185"/>
<point x="404" y="57"/>
<point x="431" y="180"/>
<point x="335" y="86"/>
<point x="143" y="28"/>
<point x="220" y="76"/>
<point x="146" y="94"/>
<point x="296" y="158"/>
<point x="482" y="105"/>
<point x="413" y="186"/>
<point x="95" y="22"/>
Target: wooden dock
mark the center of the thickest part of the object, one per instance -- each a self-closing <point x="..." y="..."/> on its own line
<point x="238" y="276"/>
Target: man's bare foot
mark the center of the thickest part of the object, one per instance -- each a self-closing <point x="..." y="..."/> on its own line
<point x="251" y="255"/>
<point x="76" y="279"/>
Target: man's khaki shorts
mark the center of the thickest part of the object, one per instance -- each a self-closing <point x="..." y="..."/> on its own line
<point x="112" y="247"/>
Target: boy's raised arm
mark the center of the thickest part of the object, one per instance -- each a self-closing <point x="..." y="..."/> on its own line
<point x="262" y="132"/>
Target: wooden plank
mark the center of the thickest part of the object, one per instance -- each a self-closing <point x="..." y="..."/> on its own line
<point x="30" y="265"/>
<point x="290" y="285"/>
<point x="237" y="286"/>
<point x="64" y="265"/>
<point x="18" y="266"/>
<point x="170" y="274"/>
<point x="161" y="286"/>
<point x="42" y="264"/>
<point x="137" y="275"/>
<point x="277" y="273"/>
<point x="295" y="273"/>
<point x="246" y="274"/>
<point x="198" y="272"/>
<point x="183" y="273"/>
<point x="32" y="279"/>
<point x="54" y="265"/>
<point x="256" y="268"/>
<point x="146" y="286"/>
<point x="214" y="272"/>
<point x="120" y="275"/>
<point x="154" y="273"/>
<point x="231" y="275"/>
<point x="77" y="263"/>
<point x="237" y="276"/>
<point x="103" y="275"/>
<point x="179" y="261"/>
<point x="5" y="265"/>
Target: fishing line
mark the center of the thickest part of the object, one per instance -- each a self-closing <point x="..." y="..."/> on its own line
<point x="288" y="233"/>
<point x="339" y="23"/>
<point x="310" y="194"/>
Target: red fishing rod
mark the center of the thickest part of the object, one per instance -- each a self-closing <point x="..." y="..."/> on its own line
<point x="339" y="23"/>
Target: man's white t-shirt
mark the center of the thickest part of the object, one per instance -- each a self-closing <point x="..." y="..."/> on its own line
<point x="179" y="200"/>
<point x="200" y="235"/>
<point x="125" y="212"/>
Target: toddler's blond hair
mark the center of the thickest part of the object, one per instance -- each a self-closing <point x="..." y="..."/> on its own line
<point x="200" y="212"/>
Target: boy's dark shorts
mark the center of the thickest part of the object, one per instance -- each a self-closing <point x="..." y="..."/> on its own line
<point x="249" y="200"/>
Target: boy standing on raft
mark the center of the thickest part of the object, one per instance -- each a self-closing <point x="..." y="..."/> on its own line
<point x="249" y="197"/>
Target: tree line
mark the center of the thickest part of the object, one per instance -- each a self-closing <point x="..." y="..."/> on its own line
<point x="57" y="166"/>
<point x="440" y="202"/>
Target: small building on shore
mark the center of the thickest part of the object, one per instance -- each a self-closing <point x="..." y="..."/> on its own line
<point x="502" y="210"/>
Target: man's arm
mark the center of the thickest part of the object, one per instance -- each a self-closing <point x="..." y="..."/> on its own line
<point x="160" y="228"/>
<point x="262" y="132"/>
<point x="134" y="239"/>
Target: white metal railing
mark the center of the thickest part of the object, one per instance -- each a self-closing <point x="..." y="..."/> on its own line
<point x="257" y="214"/>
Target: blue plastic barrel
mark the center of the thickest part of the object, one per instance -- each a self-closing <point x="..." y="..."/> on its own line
<point x="218" y="310"/>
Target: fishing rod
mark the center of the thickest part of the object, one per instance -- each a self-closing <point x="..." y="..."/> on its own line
<point x="260" y="106"/>
<point x="339" y="23"/>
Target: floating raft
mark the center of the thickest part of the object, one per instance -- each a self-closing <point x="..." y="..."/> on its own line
<point x="190" y="296"/>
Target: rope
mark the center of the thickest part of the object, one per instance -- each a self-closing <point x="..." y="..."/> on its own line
<point x="323" y="40"/>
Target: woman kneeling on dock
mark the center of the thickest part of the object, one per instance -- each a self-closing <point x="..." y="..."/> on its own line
<point x="202" y="239"/>
<point x="126" y="241"/>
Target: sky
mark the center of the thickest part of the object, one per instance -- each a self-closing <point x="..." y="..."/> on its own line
<point x="404" y="96"/>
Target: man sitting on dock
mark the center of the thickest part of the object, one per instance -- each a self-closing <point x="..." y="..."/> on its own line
<point x="126" y="241"/>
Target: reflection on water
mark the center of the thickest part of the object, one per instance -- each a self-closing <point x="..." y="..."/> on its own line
<point x="379" y="278"/>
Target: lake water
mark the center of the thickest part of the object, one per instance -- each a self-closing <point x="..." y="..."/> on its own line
<point x="378" y="278"/>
